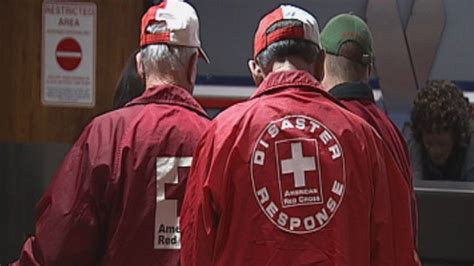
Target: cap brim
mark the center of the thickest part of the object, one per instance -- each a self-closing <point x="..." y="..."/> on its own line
<point x="203" y="55"/>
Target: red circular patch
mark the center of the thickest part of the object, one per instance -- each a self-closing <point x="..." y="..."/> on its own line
<point x="68" y="54"/>
<point x="298" y="173"/>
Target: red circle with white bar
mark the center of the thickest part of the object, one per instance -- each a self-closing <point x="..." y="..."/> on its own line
<point x="68" y="54"/>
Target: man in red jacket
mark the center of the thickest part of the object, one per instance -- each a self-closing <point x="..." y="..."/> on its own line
<point x="117" y="196"/>
<point x="349" y="57"/>
<point x="290" y="177"/>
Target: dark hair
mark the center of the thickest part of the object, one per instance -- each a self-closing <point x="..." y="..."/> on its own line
<point x="130" y="84"/>
<point x="441" y="106"/>
<point x="291" y="47"/>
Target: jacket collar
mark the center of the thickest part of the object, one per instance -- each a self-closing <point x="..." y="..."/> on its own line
<point x="282" y="79"/>
<point x="168" y="94"/>
<point x="352" y="91"/>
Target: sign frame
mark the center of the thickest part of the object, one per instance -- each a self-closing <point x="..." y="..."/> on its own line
<point x="63" y="89"/>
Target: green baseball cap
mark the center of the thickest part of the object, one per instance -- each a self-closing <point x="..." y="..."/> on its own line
<point x="348" y="28"/>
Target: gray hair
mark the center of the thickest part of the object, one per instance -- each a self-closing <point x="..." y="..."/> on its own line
<point x="164" y="58"/>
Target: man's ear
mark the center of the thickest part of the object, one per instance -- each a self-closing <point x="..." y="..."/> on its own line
<point x="192" y="69"/>
<point x="257" y="72"/>
<point x="139" y="62"/>
<point x="319" y="66"/>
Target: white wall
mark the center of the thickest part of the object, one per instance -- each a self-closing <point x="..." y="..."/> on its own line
<point x="455" y="58"/>
<point x="227" y="29"/>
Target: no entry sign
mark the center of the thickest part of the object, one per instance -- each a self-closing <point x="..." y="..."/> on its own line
<point x="68" y="54"/>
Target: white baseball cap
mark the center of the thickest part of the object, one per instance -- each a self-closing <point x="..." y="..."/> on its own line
<point x="180" y="26"/>
<point x="309" y="31"/>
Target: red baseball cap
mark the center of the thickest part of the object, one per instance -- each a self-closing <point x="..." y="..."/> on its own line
<point x="309" y="31"/>
<point x="180" y="26"/>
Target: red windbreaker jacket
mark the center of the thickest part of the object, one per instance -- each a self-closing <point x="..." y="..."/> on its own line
<point x="291" y="178"/>
<point x="358" y="98"/>
<point x="116" y="198"/>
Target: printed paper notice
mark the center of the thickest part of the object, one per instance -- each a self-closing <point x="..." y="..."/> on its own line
<point x="68" y="54"/>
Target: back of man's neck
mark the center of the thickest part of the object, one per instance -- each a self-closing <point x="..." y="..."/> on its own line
<point x="291" y="65"/>
<point x="329" y="83"/>
<point x="154" y="81"/>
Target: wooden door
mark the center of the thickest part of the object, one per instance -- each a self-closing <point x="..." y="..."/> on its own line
<point x="23" y="117"/>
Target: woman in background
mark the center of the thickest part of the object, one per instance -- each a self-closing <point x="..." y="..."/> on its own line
<point x="440" y="142"/>
<point x="130" y="84"/>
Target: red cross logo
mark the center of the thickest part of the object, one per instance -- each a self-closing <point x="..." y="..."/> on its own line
<point x="175" y="191"/>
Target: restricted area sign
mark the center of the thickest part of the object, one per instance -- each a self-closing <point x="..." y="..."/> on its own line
<point x="68" y="54"/>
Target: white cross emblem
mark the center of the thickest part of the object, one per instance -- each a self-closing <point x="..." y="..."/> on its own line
<point x="298" y="164"/>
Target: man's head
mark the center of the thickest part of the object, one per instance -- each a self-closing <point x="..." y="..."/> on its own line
<point x="347" y="42"/>
<point x="170" y="45"/>
<point x="440" y="120"/>
<point x="287" y="38"/>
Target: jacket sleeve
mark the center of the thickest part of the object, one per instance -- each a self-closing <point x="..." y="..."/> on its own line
<point x="70" y="215"/>
<point x="202" y="202"/>
<point x="392" y="219"/>
<point x="414" y="149"/>
<point x="468" y="167"/>
<point x="381" y="232"/>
